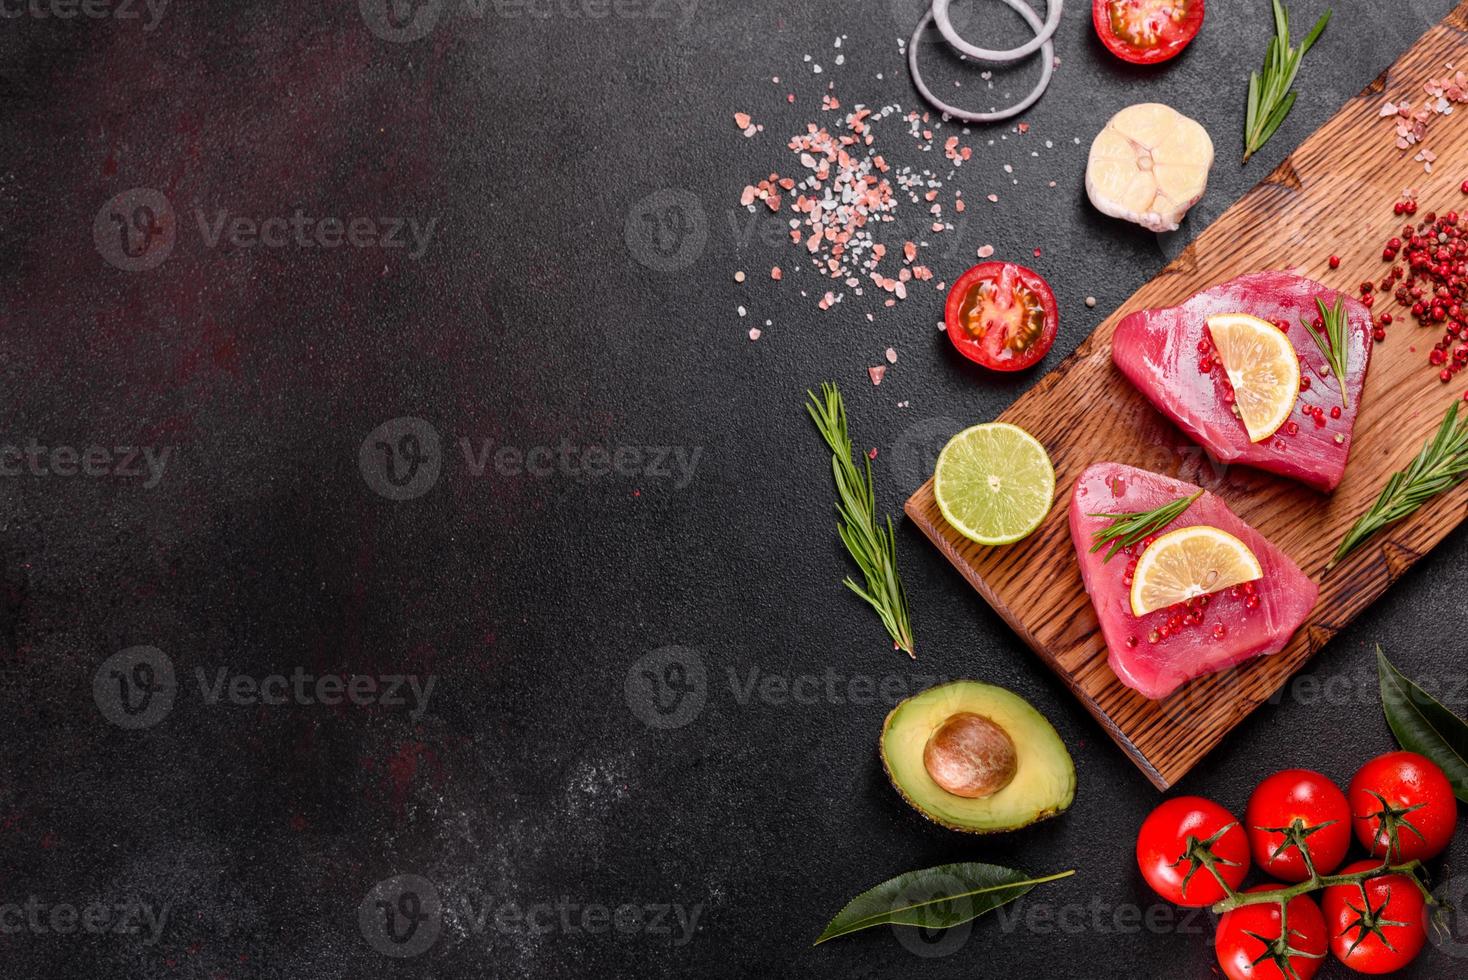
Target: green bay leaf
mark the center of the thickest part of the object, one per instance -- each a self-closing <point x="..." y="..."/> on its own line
<point x="934" y="898"/>
<point x="1422" y="725"/>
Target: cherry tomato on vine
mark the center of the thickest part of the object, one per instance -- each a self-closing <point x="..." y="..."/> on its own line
<point x="1381" y="930"/>
<point x="1248" y="946"/>
<point x="1147" y="32"/>
<point x="1002" y="316"/>
<point x="1405" y="797"/>
<point x="1293" y="809"/>
<point x="1178" y="841"/>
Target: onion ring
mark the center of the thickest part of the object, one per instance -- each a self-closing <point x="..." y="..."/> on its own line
<point x="1042" y="34"/>
<point x="1046" y="44"/>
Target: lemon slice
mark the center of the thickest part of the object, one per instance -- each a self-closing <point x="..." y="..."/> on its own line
<point x="994" y="483"/>
<point x="1263" y="368"/>
<point x="1188" y="563"/>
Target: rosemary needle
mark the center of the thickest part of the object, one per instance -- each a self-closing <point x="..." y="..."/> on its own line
<point x="1331" y="340"/>
<point x="1127" y="529"/>
<point x="872" y="546"/>
<point x="1270" y="95"/>
<point x="1442" y="465"/>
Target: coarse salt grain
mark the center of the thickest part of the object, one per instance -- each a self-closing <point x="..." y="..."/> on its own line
<point x="891" y="355"/>
<point x="877" y="374"/>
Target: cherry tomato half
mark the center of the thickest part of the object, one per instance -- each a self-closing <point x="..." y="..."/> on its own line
<point x="1323" y="816"/>
<point x="1406" y="793"/>
<point x="1380" y="932"/>
<point x="1147" y="32"/>
<point x="1243" y="938"/>
<point x="1164" y="842"/>
<point x="1002" y="316"/>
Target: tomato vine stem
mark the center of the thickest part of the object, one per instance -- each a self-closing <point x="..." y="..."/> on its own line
<point x="1316" y="882"/>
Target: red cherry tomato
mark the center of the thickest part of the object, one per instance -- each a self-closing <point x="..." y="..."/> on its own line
<point x="1171" y="841"/>
<point x="1244" y="935"/>
<point x="1393" y="904"/>
<point x="1406" y="796"/>
<point x="1147" y="32"/>
<point x="1002" y="316"/>
<point x="1298" y="796"/>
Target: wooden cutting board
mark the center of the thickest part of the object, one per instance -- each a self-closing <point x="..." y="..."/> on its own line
<point x="1333" y="195"/>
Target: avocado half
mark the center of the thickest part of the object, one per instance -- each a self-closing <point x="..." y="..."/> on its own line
<point x="976" y="758"/>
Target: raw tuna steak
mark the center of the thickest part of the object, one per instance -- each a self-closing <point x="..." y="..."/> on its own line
<point x="1159" y="351"/>
<point x="1232" y="626"/>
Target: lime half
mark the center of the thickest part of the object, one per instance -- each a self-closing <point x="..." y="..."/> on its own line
<point x="994" y="483"/>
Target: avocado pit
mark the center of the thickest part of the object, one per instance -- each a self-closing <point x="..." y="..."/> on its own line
<point x="970" y="756"/>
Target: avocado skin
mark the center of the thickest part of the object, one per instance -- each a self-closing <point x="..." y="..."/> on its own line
<point x="1028" y="728"/>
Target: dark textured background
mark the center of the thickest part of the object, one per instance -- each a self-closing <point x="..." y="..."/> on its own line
<point x="532" y="777"/>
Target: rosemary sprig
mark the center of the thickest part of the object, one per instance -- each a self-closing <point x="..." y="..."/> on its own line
<point x="1126" y="530"/>
<point x="1442" y="465"/>
<point x="1332" y="341"/>
<point x="1270" y="98"/>
<point x="872" y="547"/>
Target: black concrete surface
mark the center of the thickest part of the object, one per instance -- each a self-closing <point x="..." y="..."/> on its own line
<point x="648" y="749"/>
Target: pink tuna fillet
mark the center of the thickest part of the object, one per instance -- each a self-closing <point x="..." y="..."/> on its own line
<point x="1158" y="350"/>
<point x="1256" y="621"/>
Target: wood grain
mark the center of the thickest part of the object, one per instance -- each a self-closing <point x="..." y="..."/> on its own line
<point x="1333" y="195"/>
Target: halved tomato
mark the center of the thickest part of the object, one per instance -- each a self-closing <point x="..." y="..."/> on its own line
<point x="1002" y="316"/>
<point x="1147" y="32"/>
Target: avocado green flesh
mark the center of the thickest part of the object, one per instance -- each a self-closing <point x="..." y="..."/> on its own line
<point x="1044" y="782"/>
